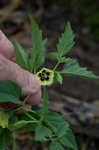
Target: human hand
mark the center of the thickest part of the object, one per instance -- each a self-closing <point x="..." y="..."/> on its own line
<point x="11" y="71"/>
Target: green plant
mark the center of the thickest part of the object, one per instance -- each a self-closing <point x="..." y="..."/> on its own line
<point x="47" y="125"/>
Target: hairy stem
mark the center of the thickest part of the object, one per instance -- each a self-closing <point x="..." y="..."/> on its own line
<point x="56" y="66"/>
<point x="28" y="115"/>
<point x="14" y="141"/>
<point x="45" y="103"/>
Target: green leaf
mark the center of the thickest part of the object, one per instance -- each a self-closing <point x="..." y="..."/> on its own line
<point x="11" y="88"/>
<point x="31" y="126"/>
<point x="68" y="140"/>
<point x="54" y="119"/>
<point x="13" y="118"/>
<point x="41" y="132"/>
<point x="66" y="41"/>
<point x="67" y="60"/>
<point x="62" y="128"/>
<point x="20" y="124"/>
<point x="10" y="92"/>
<point x="53" y="55"/>
<point x="5" y="138"/>
<point x="38" y="50"/>
<point x="28" y="124"/>
<point x="56" y="146"/>
<point x="58" y="77"/>
<point x="76" y="70"/>
<point x="21" y="57"/>
<point x="54" y="116"/>
<point x="9" y="98"/>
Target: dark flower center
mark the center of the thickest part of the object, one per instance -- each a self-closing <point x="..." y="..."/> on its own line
<point x="44" y="75"/>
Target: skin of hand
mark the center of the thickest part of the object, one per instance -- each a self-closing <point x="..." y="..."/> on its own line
<point x="11" y="71"/>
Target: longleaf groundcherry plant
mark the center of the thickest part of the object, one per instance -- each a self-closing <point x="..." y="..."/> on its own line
<point x="46" y="125"/>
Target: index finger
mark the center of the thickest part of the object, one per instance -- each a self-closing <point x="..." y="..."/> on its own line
<point x="6" y="47"/>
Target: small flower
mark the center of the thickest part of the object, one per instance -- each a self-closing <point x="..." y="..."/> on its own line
<point x="45" y="76"/>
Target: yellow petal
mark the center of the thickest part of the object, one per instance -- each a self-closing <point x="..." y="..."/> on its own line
<point x="50" y="76"/>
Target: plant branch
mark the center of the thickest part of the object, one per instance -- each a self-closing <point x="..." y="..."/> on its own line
<point x="14" y="141"/>
<point x="57" y="64"/>
<point x="45" y="103"/>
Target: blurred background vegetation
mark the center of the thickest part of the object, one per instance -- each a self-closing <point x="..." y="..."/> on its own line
<point x="84" y="14"/>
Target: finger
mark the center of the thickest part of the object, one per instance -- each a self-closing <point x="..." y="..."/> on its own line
<point x="11" y="71"/>
<point x="6" y="47"/>
<point x="27" y="106"/>
<point x="35" y="98"/>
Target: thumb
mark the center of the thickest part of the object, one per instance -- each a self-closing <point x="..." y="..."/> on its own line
<point x="11" y="71"/>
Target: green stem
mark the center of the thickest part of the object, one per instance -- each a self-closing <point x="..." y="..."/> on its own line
<point x="45" y="103"/>
<point x="28" y="115"/>
<point x="85" y="145"/>
<point x="49" y="125"/>
<point x="45" y="121"/>
<point x="14" y="141"/>
<point x="26" y="99"/>
<point x="56" y="66"/>
<point x="34" y="71"/>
